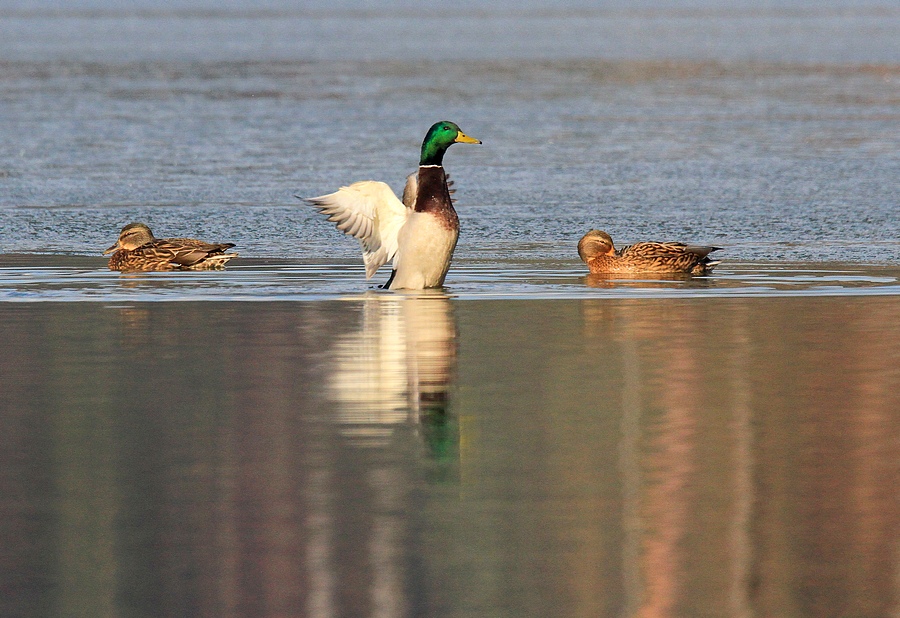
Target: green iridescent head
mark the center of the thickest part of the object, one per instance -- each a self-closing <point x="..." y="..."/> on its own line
<point x="439" y="138"/>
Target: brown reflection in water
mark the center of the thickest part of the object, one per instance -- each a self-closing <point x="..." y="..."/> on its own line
<point x="874" y="456"/>
<point x="657" y="458"/>
<point x="610" y="280"/>
<point x="828" y="495"/>
<point x="844" y="440"/>
<point x="671" y="448"/>
<point x="663" y="381"/>
<point x="740" y="540"/>
<point x="645" y="281"/>
<point x="761" y="462"/>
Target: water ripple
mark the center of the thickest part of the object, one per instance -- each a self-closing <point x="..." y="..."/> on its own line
<point x="67" y="279"/>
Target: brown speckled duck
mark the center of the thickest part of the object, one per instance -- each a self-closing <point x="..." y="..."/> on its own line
<point x="598" y="252"/>
<point x="137" y="249"/>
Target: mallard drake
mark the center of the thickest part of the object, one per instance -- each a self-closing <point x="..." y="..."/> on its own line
<point x="419" y="233"/>
<point x="137" y="249"/>
<point x="598" y="252"/>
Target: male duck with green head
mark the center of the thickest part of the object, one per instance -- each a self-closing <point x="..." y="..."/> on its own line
<point x="419" y="234"/>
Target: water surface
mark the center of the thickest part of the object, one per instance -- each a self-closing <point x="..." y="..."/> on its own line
<point x="282" y="438"/>
<point x="416" y="455"/>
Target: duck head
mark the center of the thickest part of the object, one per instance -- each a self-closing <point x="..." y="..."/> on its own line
<point x="439" y="138"/>
<point x="595" y="243"/>
<point x="131" y="237"/>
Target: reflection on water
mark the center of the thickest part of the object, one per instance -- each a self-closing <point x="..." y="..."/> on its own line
<point x="397" y="368"/>
<point x="686" y="458"/>
<point x="604" y="457"/>
<point x="648" y="281"/>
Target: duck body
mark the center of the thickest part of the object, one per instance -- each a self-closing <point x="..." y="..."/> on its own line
<point x="426" y="242"/>
<point x="418" y="234"/>
<point x="138" y="250"/>
<point x="596" y="249"/>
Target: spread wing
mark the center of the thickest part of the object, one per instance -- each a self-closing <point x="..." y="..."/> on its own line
<point x="370" y="212"/>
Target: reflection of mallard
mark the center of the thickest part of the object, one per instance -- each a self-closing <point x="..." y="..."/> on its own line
<point x="137" y="249"/>
<point x="598" y="252"/>
<point x="419" y="234"/>
<point x="396" y="368"/>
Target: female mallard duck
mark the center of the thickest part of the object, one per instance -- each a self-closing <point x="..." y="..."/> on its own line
<point x="598" y="252"/>
<point x="137" y="249"/>
<point x="419" y="234"/>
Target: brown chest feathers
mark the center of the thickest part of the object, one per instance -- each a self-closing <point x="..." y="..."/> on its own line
<point x="433" y="195"/>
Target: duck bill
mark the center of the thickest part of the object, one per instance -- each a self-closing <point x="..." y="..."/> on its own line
<point x="111" y="249"/>
<point x="462" y="138"/>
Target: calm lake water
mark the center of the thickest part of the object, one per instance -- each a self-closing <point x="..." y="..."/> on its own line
<point x="394" y="455"/>
<point x="282" y="438"/>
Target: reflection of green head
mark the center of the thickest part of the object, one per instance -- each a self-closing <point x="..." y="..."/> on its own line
<point x="438" y="140"/>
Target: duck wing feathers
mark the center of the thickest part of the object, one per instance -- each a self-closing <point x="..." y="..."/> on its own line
<point x="370" y="212"/>
<point x="668" y="256"/>
<point x="185" y="252"/>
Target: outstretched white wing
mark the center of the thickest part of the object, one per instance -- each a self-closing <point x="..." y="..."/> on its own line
<point x="370" y="212"/>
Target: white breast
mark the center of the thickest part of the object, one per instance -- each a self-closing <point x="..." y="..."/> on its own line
<point x="426" y="248"/>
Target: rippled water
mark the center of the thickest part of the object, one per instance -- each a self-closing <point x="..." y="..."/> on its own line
<point x="530" y="441"/>
<point x="781" y="154"/>
<point x="24" y="278"/>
